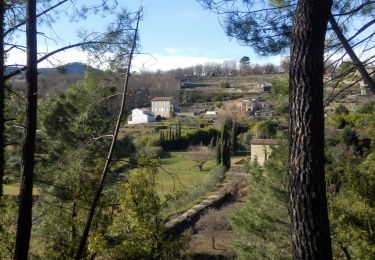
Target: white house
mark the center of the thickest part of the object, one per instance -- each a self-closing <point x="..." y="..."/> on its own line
<point x="140" y="116"/>
<point x="211" y="113"/>
<point x="163" y="106"/>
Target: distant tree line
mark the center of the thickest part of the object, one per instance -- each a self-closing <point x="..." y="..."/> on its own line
<point x="227" y="68"/>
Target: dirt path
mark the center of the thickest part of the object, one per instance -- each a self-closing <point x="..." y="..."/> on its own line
<point x="211" y="213"/>
<point x="226" y="194"/>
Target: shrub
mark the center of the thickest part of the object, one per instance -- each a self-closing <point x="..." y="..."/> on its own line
<point x="367" y="108"/>
<point x="224" y="84"/>
<point x="349" y="136"/>
<point x="341" y="109"/>
<point x="158" y="118"/>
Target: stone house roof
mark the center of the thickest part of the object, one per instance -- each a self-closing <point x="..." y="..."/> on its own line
<point x="162" y="99"/>
<point x="264" y="142"/>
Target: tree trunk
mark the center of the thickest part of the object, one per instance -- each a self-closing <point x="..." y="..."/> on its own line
<point x="27" y="168"/>
<point x="356" y="62"/>
<point x="2" y="99"/>
<point x="85" y="234"/>
<point x="308" y="203"/>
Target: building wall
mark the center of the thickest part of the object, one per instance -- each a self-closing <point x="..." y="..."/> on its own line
<point x="162" y="108"/>
<point x="260" y="153"/>
<point x="139" y="117"/>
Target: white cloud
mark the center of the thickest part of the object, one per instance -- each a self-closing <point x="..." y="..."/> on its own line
<point x="18" y="57"/>
<point x="151" y="62"/>
<point x="155" y="62"/>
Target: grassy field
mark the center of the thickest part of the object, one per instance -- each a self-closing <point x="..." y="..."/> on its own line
<point x="179" y="173"/>
<point x="14" y="189"/>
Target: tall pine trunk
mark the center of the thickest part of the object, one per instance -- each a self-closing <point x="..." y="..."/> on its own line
<point x="308" y="203"/>
<point x="2" y="99"/>
<point x="353" y="56"/>
<point x="28" y="149"/>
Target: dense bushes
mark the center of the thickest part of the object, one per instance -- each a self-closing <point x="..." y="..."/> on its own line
<point x="172" y="140"/>
<point x="266" y="129"/>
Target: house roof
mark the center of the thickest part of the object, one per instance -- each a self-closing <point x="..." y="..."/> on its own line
<point x="162" y="99"/>
<point x="264" y="141"/>
<point x="145" y="111"/>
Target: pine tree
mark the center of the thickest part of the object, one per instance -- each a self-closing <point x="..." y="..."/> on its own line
<point x="308" y="203"/>
<point x="262" y="225"/>
<point x="24" y="221"/>
<point x="138" y="227"/>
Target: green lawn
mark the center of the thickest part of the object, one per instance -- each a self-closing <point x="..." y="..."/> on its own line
<point x="180" y="173"/>
<point x="14" y="189"/>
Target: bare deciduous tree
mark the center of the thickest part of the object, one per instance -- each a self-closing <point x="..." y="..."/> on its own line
<point x="201" y="155"/>
<point x="211" y="223"/>
<point x="235" y="110"/>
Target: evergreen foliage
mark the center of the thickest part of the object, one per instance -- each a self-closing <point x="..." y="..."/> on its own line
<point x="223" y="144"/>
<point x="218" y="151"/>
<point x="137" y="231"/>
<point x="73" y="162"/>
<point x="351" y="188"/>
<point x="233" y="136"/>
<point x="341" y="109"/>
<point x="175" y="140"/>
<point x="8" y="223"/>
<point x="280" y="94"/>
<point x="265" y="129"/>
<point x="263" y="223"/>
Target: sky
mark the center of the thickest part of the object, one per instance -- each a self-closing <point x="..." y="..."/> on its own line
<point x="174" y="33"/>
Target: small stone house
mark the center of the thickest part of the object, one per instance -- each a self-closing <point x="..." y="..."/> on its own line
<point x="163" y="106"/>
<point x="140" y="116"/>
<point x="261" y="149"/>
<point x="248" y="105"/>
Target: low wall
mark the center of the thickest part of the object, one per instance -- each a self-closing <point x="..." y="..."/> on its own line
<point x="227" y="194"/>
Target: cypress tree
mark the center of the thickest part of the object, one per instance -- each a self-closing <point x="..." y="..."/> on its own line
<point x="234" y="138"/>
<point x="226" y="154"/>
<point x="225" y="146"/>
<point x="218" y="151"/>
<point x="179" y="128"/>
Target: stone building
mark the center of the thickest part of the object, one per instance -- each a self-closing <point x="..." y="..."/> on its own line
<point x="163" y="106"/>
<point x="261" y="149"/>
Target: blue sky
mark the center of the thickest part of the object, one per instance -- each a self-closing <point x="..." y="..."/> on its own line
<point x="177" y="33"/>
<point x="181" y="30"/>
